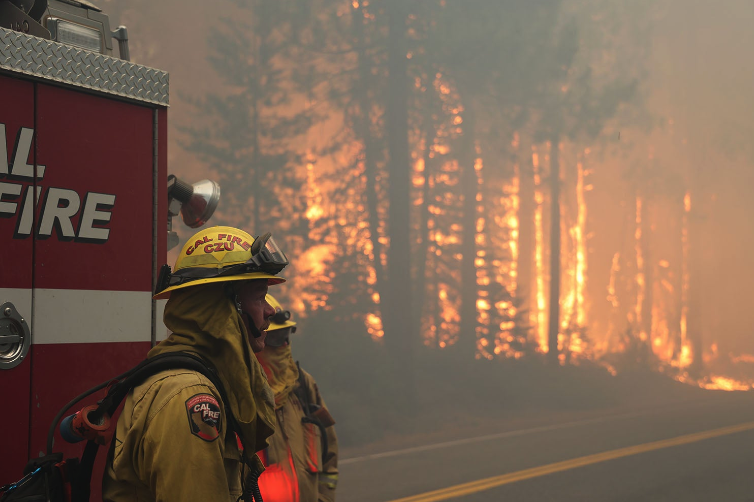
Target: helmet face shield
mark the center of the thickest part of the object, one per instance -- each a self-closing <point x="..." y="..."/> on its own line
<point x="269" y="257"/>
<point x="276" y="254"/>
<point x="266" y="257"/>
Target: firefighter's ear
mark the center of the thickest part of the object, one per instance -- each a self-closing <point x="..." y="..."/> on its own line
<point x="230" y="292"/>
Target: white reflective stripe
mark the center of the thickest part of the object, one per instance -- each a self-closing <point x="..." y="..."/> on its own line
<point x="85" y="316"/>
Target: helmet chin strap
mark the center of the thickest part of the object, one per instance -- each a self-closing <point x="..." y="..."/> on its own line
<point x="249" y="321"/>
<point x="252" y="327"/>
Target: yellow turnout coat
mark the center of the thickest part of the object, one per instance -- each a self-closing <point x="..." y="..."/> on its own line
<point x="172" y="441"/>
<point x="295" y="468"/>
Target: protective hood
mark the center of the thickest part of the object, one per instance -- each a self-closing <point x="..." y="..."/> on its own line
<point x="281" y="371"/>
<point x="204" y="321"/>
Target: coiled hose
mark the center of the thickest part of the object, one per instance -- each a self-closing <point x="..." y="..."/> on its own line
<point x="251" y="491"/>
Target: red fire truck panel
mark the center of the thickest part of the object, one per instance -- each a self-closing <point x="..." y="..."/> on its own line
<point x="92" y="260"/>
<point x="15" y="268"/>
<point x="88" y="135"/>
<point x="96" y="193"/>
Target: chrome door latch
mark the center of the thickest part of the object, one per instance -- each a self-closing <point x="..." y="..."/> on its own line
<point x="15" y="337"/>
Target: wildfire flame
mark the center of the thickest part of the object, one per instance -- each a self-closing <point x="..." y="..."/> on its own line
<point x="663" y="329"/>
<point x="647" y="295"/>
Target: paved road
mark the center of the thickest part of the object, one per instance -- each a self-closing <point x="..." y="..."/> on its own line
<point x="690" y="451"/>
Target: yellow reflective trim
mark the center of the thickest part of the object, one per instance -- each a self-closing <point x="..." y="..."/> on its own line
<point x="329" y="480"/>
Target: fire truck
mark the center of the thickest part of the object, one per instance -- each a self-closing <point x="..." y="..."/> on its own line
<point x="85" y="214"/>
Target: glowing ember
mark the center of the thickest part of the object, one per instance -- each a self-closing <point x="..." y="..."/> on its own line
<point x="612" y="297"/>
<point x="716" y="382"/>
<point x="374" y="326"/>
<point x="314" y="209"/>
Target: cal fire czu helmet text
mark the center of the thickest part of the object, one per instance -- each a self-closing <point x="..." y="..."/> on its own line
<point x="223" y="254"/>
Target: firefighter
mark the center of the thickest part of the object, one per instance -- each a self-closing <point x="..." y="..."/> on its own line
<point x="172" y="441"/>
<point x="302" y="458"/>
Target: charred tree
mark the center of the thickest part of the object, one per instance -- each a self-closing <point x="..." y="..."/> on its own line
<point x="694" y="317"/>
<point x="648" y="270"/>
<point x="676" y="328"/>
<point x="420" y="283"/>
<point x="363" y="127"/>
<point x="526" y="233"/>
<point x="469" y="188"/>
<point x="397" y="312"/>
<point x="554" y="315"/>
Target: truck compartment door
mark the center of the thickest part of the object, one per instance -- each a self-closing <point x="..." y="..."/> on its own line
<point x="16" y="251"/>
<point x="94" y="248"/>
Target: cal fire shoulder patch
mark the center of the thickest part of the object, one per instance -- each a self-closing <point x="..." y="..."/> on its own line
<point x="204" y="416"/>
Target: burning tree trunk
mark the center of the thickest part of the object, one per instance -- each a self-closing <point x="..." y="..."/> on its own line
<point x="554" y="320"/>
<point x="435" y="294"/>
<point x="397" y="312"/>
<point x="527" y="206"/>
<point x="678" y="326"/>
<point x="370" y="151"/>
<point x="693" y="320"/>
<point x="640" y="281"/>
<point x="420" y="286"/>
<point x="469" y="188"/>
<point x="647" y="271"/>
<point x="539" y="291"/>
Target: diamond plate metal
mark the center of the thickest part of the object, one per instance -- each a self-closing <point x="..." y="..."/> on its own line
<point x="20" y="53"/>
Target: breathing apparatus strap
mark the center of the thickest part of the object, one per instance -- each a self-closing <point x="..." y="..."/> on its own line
<point x="310" y="408"/>
<point x="116" y="394"/>
<point x="53" y="479"/>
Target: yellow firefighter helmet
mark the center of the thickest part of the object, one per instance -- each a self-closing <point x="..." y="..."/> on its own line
<point x="222" y="254"/>
<point x="281" y="318"/>
<point x="281" y="325"/>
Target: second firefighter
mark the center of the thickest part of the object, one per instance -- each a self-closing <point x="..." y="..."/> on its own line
<point x="302" y="457"/>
